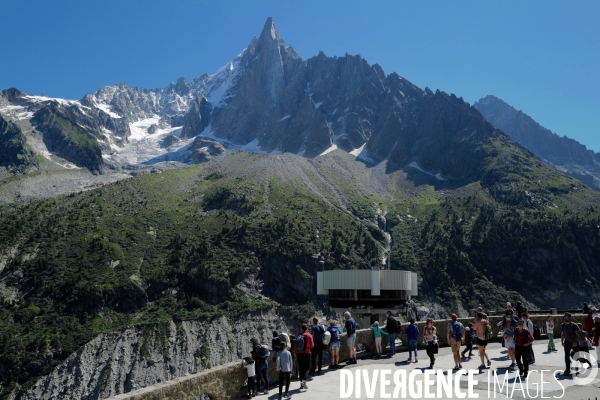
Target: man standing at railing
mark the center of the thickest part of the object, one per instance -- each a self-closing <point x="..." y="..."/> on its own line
<point x="391" y="327"/>
<point x="351" y="336"/>
<point x="316" y="359"/>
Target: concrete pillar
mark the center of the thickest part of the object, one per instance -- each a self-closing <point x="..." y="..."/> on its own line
<point x="375" y="281"/>
<point x="553" y="311"/>
<point x="320" y="289"/>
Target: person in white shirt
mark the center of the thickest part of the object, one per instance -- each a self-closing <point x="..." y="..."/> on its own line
<point x="248" y="363"/>
<point x="550" y="333"/>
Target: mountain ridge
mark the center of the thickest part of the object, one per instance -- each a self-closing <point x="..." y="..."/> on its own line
<point x="562" y="152"/>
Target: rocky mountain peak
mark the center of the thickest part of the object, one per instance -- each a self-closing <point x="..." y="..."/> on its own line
<point x="269" y="31"/>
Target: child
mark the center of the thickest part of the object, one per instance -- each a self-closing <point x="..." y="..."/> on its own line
<point x="248" y="363"/>
<point x="469" y="341"/>
<point x="377" y="331"/>
<point x="284" y="369"/>
<point x="550" y="333"/>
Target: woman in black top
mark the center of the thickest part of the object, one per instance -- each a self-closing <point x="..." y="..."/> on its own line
<point x="519" y="309"/>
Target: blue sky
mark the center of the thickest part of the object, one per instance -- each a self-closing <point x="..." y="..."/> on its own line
<point x="542" y="57"/>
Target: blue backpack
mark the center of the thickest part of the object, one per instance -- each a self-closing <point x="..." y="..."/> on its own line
<point x="334" y="334"/>
<point x="263" y="352"/>
<point x="300" y="343"/>
<point x="456" y="330"/>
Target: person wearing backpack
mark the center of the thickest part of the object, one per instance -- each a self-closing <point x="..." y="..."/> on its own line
<point x="334" y="344"/>
<point x="303" y="344"/>
<point x="455" y="336"/>
<point x="391" y="327"/>
<point x="482" y="328"/>
<point x="317" y="352"/>
<point x="350" y="326"/>
<point x="260" y="354"/>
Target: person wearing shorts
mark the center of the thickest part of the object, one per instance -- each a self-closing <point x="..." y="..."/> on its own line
<point x="455" y="340"/>
<point x="480" y="328"/>
<point x="350" y="325"/>
<point x="509" y="325"/>
<point x="334" y="345"/>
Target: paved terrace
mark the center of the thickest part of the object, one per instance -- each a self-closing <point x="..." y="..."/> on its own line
<point x="224" y="382"/>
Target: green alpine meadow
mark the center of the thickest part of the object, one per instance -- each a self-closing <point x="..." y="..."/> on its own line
<point x="175" y="245"/>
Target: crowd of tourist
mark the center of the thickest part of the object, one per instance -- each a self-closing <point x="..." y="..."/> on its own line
<point x="303" y="353"/>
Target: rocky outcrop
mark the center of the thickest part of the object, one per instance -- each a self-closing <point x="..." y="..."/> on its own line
<point x="14" y="153"/>
<point x="197" y="118"/>
<point x="170" y="140"/>
<point x="69" y="140"/>
<point x="202" y="150"/>
<point x="566" y="154"/>
<point x="138" y="357"/>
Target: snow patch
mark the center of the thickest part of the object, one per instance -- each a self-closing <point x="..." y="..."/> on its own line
<point x="145" y="148"/>
<point x="107" y="110"/>
<point x="317" y="105"/>
<point x="43" y="99"/>
<point x="139" y="129"/>
<point x="329" y="150"/>
<point x="356" y="152"/>
<point x="286" y="117"/>
<point x="416" y="166"/>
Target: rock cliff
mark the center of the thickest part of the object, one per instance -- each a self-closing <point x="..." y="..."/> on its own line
<point x="138" y="357"/>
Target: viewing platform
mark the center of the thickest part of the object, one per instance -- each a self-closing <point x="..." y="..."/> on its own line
<point x="224" y="382"/>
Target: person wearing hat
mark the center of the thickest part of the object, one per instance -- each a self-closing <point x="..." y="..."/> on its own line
<point x="509" y="310"/>
<point x="455" y="336"/>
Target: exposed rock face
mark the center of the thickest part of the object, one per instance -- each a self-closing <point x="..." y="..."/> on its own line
<point x="134" y="104"/>
<point x="197" y="118"/>
<point x="169" y="140"/>
<point x="268" y="98"/>
<point x="202" y="150"/>
<point x="70" y="140"/>
<point x="14" y="154"/>
<point x="566" y="154"/>
<point x="142" y="356"/>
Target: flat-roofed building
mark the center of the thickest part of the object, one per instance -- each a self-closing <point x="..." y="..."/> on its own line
<point x="368" y="294"/>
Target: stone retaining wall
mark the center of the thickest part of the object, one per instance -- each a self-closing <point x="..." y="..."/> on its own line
<point x="224" y="382"/>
